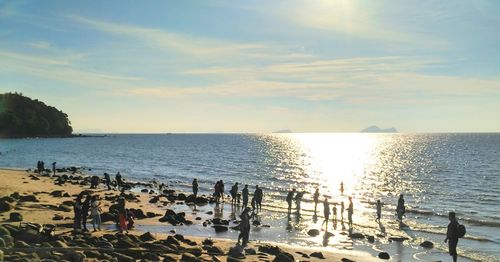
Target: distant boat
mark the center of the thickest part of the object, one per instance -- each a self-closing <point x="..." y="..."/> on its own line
<point x="376" y="129"/>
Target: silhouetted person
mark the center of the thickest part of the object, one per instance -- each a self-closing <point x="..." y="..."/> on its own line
<point x="217" y="192"/>
<point x="258" y="194"/>
<point x="350" y="211"/>
<point x="342" y="211"/>
<point x="54" y="168"/>
<point x="95" y="211"/>
<point x="334" y="213"/>
<point x="234" y="193"/>
<point x="289" y="199"/>
<point x="244" y="227"/>
<point x="42" y="165"/>
<point x="94" y="182"/>
<point x="341" y="188"/>
<point x="244" y="194"/>
<point x="298" y="200"/>
<point x="119" y="181"/>
<point x="221" y="190"/>
<point x="326" y="211"/>
<point x="316" y="199"/>
<point x="85" y="212"/>
<point x="195" y="187"/>
<point x="254" y="203"/>
<point x="379" y="210"/>
<point x="400" y="210"/>
<point x="77" y="209"/>
<point x="107" y="180"/>
<point x="38" y="166"/>
<point x="452" y="235"/>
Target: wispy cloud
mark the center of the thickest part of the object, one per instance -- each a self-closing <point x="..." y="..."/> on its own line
<point x="39" y="45"/>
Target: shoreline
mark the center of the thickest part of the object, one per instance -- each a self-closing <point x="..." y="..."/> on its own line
<point x="47" y="206"/>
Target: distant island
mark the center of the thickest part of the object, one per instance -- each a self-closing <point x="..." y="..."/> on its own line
<point x="376" y="129"/>
<point x="284" y="131"/>
<point x="22" y="117"/>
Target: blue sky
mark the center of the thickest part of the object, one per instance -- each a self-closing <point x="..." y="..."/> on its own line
<point x="257" y="66"/>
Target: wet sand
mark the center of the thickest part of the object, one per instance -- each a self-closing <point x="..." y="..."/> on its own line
<point x="47" y="206"/>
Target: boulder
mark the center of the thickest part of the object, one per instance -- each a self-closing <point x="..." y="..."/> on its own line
<point x="346" y="260"/>
<point x="398" y="239"/>
<point x="219" y="228"/>
<point x="57" y="193"/>
<point x="29" y="235"/>
<point x="236" y="252"/>
<point x="65" y="208"/>
<point x="4" y="231"/>
<point x="123" y="258"/>
<point x="317" y="255"/>
<point x="125" y="242"/>
<point x="214" y="250"/>
<point x="171" y="240"/>
<point x="169" y="258"/>
<point x="147" y="237"/>
<point x="188" y="257"/>
<point x="108" y="217"/>
<point x="28" y="198"/>
<point x="21" y="244"/>
<point x="271" y="250"/>
<point x="5" y="206"/>
<point x="357" y="236"/>
<point x="313" y="232"/>
<point x="179" y="237"/>
<point x="197" y="251"/>
<point x="427" y="244"/>
<point x="58" y="217"/>
<point x="384" y="255"/>
<point x="15" y="217"/>
<point x="284" y="257"/>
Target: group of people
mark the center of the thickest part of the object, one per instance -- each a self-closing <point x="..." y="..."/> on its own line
<point x="236" y="197"/>
<point x="40" y="167"/>
<point x="83" y="204"/>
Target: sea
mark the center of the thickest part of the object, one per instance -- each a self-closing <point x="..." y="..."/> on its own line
<point x="436" y="173"/>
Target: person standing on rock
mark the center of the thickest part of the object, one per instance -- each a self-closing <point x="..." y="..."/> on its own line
<point x="85" y="212"/>
<point x="379" y="210"/>
<point x="350" y="211"/>
<point x="95" y="211"/>
<point x="107" y="180"/>
<point x="258" y="194"/>
<point x="289" y="199"/>
<point x="77" y="209"/>
<point x="54" y="168"/>
<point x="316" y="199"/>
<point x="195" y="187"/>
<point x="400" y="209"/>
<point x="326" y="211"/>
<point x="452" y="235"/>
<point x="244" y="194"/>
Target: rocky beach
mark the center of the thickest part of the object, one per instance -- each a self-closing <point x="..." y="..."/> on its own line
<point x="36" y="214"/>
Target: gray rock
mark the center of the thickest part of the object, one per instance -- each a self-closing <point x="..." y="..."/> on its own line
<point x="427" y="244"/>
<point x="317" y="255"/>
<point x="313" y="232"/>
<point x="384" y="255"/>
<point x="15" y="217"/>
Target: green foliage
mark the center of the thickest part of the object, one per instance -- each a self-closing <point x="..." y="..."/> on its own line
<point x="21" y="116"/>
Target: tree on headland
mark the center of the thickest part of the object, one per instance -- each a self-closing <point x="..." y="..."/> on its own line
<point x="21" y="116"/>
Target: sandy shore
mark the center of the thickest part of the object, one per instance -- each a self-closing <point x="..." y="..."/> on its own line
<point x="47" y="207"/>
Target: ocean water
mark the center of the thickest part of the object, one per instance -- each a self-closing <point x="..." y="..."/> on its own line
<point x="437" y="173"/>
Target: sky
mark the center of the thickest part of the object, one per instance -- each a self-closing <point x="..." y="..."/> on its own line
<point x="257" y="66"/>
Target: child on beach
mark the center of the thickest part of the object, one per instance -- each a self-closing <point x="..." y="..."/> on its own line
<point x="334" y="213"/>
<point x="122" y="215"/>
<point x="85" y="212"/>
<point x="95" y="211"/>
<point x="77" y="209"/>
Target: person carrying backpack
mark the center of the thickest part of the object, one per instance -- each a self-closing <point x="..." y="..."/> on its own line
<point x="454" y="232"/>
